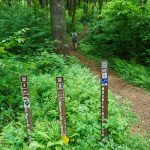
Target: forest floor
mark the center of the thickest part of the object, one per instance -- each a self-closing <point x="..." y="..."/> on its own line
<point x="137" y="97"/>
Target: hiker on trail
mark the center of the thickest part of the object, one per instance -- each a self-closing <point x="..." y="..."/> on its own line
<point x="83" y="20"/>
<point x="74" y="40"/>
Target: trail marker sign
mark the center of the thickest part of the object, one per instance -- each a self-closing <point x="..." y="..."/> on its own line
<point x="26" y="101"/>
<point x="61" y="104"/>
<point x="104" y="98"/>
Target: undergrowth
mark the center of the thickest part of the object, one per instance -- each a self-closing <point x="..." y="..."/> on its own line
<point x="82" y="104"/>
<point x="131" y="72"/>
<point x="25" y="49"/>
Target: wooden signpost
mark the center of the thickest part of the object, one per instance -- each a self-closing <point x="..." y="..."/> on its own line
<point x="104" y="98"/>
<point x="27" y="108"/>
<point x="61" y="104"/>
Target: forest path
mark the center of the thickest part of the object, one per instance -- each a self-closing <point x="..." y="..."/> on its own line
<point x="139" y="99"/>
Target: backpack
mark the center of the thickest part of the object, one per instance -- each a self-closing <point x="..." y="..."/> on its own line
<point x="74" y="35"/>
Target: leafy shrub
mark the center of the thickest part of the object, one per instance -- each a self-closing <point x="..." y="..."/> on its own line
<point x="9" y="91"/>
<point x="78" y="23"/>
<point x="132" y="73"/>
<point x="13" y="136"/>
<point x="18" y="18"/>
<point x="14" y="43"/>
<point x="82" y="104"/>
<point x="46" y="62"/>
<point x="123" y="31"/>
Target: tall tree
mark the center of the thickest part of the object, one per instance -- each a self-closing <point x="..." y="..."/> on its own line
<point x="29" y="2"/>
<point x="85" y="7"/>
<point x="69" y="7"/>
<point x="73" y="14"/>
<point x="100" y="4"/>
<point x="43" y="3"/>
<point x="92" y="6"/>
<point x="58" y="25"/>
<point x="79" y="1"/>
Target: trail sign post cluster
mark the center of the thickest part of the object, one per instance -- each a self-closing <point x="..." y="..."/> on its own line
<point x="61" y="104"/>
<point x="27" y="108"/>
<point x="104" y="98"/>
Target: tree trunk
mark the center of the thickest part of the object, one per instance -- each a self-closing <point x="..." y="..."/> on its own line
<point x="100" y="4"/>
<point x="85" y="7"/>
<point x="73" y="15"/>
<point x="79" y="1"/>
<point x="92" y="6"/>
<point x="58" y="25"/>
<point x="69" y="7"/>
<point x="29" y="2"/>
<point x="43" y="3"/>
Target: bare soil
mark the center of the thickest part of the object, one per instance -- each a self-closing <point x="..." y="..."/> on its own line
<point x="139" y="98"/>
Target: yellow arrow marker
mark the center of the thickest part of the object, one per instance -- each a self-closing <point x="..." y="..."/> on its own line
<point x="65" y="139"/>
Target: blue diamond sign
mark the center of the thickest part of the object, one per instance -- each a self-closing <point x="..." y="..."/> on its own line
<point x="104" y="82"/>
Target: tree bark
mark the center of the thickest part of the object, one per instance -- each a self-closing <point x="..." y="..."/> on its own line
<point x="100" y="4"/>
<point x="43" y="3"/>
<point x="58" y="25"/>
<point x="92" y="6"/>
<point x="85" y="7"/>
<point x="69" y="7"/>
<point x="79" y="1"/>
<point x="73" y="15"/>
<point x="29" y="2"/>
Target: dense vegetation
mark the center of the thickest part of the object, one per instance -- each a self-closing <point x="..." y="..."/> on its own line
<point x="121" y="33"/>
<point x="122" y="30"/>
<point x="26" y="47"/>
<point x="82" y="101"/>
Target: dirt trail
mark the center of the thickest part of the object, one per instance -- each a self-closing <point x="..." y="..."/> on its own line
<point x="140" y="99"/>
